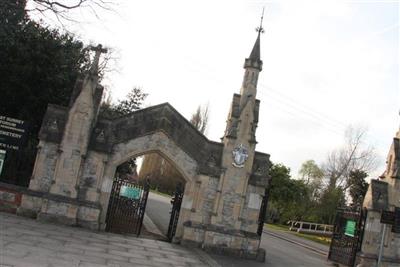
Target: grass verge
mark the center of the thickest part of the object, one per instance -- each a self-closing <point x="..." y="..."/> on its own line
<point x="160" y="193"/>
<point x="316" y="238"/>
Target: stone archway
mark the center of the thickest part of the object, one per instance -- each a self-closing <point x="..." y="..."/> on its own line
<point x="157" y="142"/>
<point x="82" y="198"/>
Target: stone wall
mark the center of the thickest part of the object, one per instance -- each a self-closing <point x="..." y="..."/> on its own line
<point x="10" y="197"/>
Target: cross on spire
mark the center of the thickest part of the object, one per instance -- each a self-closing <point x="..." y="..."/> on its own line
<point x="260" y="29"/>
<point x="255" y="53"/>
<point x="98" y="51"/>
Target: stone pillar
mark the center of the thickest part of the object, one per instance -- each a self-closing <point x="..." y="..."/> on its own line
<point x="383" y="194"/>
<point x="233" y="224"/>
<point x="62" y="151"/>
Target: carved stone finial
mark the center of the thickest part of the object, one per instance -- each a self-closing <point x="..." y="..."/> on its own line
<point x="98" y="50"/>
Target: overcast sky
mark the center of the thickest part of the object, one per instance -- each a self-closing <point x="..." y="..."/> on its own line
<point x="327" y="64"/>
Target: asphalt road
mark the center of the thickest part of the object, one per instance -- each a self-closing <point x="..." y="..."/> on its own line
<point x="158" y="209"/>
<point x="280" y="253"/>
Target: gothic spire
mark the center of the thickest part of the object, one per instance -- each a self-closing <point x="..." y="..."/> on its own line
<point x="254" y="60"/>
<point x="255" y="53"/>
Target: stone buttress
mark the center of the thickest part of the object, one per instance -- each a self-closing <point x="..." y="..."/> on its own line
<point x="62" y="154"/>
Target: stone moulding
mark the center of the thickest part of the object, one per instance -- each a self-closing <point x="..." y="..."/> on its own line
<point x="221" y="230"/>
<point x="53" y="197"/>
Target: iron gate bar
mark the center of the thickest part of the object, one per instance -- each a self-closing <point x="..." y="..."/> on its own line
<point x="143" y="204"/>
<point x="125" y="214"/>
<point x="263" y="212"/>
<point x="176" y="207"/>
<point x="343" y="248"/>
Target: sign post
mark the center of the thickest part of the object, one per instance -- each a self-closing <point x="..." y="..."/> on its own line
<point x="381" y="245"/>
<point x="2" y="159"/>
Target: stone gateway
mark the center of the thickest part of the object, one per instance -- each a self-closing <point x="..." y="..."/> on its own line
<point x="226" y="181"/>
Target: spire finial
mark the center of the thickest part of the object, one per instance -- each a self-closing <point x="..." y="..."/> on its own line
<point x="260" y="29"/>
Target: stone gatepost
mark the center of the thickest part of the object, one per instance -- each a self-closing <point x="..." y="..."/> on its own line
<point x="61" y="156"/>
<point x="239" y="190"/>
<point x="383" y="194"/>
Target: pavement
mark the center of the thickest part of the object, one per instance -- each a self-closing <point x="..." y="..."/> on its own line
<point x="26" y="242"/>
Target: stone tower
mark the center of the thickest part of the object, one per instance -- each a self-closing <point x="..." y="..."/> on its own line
<point x="235" y="226"/>
<point x="239" y="145"/>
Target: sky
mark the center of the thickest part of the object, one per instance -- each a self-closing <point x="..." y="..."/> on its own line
<point x="327" y="65"/>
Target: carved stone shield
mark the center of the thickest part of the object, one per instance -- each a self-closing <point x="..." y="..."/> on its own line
<point x="240" y="156"/>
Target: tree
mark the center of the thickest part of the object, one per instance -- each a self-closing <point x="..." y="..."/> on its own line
<point x="354" y="155"/>
<point x="132" y="102"/>
<point x="199" y="119"/>
<point x="357" y="186"/>
<point x="286" y="195"/>
<point x="311" y="174"/>
<point x="61" y="8"/>
<point x="38" y="65"/>
<point x="331" y="198"/>
<point x="12" y="13"/>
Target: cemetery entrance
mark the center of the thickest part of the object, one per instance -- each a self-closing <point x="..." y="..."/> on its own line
<point x="80" y="148"/>
<point x="146" y="198"/>
<point x="347" y="235"/>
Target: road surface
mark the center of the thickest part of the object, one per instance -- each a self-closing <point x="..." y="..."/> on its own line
<point x="280" y="253"/>
<point x="158" y="209"/>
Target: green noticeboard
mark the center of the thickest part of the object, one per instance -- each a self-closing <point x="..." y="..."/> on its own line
<point x="2" y="158"/>
<point x="130" y="192"/>
<point x="350" y="228"/>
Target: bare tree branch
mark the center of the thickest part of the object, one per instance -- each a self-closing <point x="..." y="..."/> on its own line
<point x="354" y="155"/>
<point x="61" y="8"/>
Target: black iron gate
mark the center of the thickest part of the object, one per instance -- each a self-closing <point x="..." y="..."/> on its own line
<point x="126" y="207"/>
<point x="263" y="212"/>
<point x="176" y="207"/>
<point x="347" y="235"/>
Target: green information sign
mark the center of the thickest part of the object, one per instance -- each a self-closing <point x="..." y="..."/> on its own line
<point x="350" y="228"/>
<point x="130" y="192"/>
<point x="2" y="158"/>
